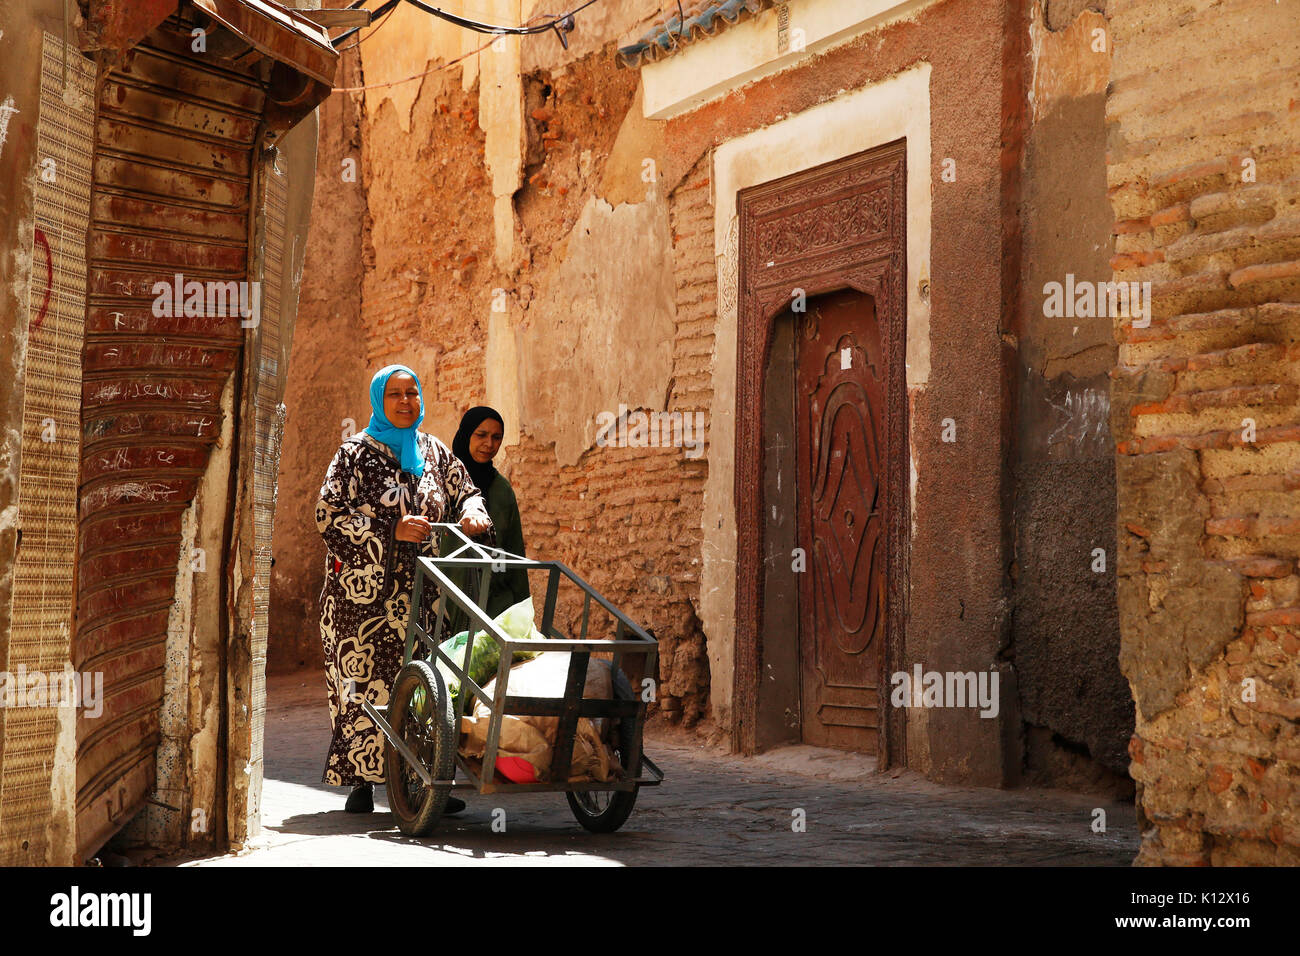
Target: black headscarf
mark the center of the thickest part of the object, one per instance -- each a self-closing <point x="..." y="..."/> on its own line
<point x="483" y="473"/>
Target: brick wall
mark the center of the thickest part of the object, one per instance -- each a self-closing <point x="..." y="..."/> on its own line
<point x="625" y="519"/>
<point x="628" y="519"/>
<point x="427" y="288"/>
<point x="1204" y="177"/>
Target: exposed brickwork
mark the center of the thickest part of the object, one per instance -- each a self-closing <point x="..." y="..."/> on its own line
<point x="460" y="376"/>
<point x="428" y="282"/>
<point x="606" y="516"/>
<point x="572" y="119"/>
<point x="1205" y="184"/>
<point x="625" y="519"/>
<point x="697" y="299"/>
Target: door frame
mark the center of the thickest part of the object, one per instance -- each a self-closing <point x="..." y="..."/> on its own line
<point x="840" y="225"/>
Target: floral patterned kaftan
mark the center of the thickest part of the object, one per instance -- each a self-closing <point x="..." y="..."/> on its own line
<point x="366" y="602"/>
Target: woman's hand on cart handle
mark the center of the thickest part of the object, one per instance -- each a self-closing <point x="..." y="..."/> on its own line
<point x="413" y="528"/>
<point x="475" y="523"/>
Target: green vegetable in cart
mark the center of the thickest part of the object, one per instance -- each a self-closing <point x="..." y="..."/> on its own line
<point x="517" y="624"/>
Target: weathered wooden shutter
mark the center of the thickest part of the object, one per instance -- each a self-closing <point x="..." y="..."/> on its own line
<point x="175" y="144"/>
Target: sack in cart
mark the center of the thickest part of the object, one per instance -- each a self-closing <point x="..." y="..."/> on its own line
<point x="527" y="744"/>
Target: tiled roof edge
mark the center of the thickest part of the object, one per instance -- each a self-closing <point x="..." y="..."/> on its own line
<point x="671" y="35"/>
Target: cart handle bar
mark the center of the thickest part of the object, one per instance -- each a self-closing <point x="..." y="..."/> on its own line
<point x="476" y="613"/>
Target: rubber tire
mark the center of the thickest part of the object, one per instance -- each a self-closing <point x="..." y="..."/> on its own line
<point x="621" y="801"/>
<point x="418" y="818"/>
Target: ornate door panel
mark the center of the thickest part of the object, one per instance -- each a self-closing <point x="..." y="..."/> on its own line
<point x="841" y="502"/>
<point x="821" y="232"/>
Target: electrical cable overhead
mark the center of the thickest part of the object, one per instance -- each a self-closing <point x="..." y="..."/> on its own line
<point x="374" y="29"/>
<point x="406" y="79"/>
<point x="494" y="28"/>
<point x="379" y="11"/>
<point x="562" y="24"/>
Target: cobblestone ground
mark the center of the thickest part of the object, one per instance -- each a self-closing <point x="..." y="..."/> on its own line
<point x="712" y="809"/>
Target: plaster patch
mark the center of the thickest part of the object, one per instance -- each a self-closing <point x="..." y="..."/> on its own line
<point x="597" y="309"/>
<point x="407" y="47"/>
<point x="208" y="594"/>
<point x="63" y="787"/>
<point x="637" y="139"/>
<point x="1065" y="63"/>
<point x="501" y="381"/>
<point x="1173" y="625"/>
<point x="163" y="825"/>
<point x="501" y="117"/>
<point x="7" y="109"/>
<point x="749" y="51"/>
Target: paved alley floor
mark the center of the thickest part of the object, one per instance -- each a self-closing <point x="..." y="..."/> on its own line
<point x="713" y="809"/>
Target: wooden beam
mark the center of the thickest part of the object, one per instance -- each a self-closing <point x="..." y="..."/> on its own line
<point x="337" y="18"/>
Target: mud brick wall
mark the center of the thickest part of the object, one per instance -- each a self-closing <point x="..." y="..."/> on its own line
<point x="1204" y="178"/>
<point x="426" y="292"/>
<point x="627" y="520"/>
<point x="328" y="378"/>
<point x="413" y="280"/>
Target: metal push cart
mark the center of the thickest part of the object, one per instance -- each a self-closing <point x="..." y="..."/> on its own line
<point x="422" y="727"/>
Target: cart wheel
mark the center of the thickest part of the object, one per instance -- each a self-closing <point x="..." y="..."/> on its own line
<point x="604" y="811"/>
<point x="420" y="714"/>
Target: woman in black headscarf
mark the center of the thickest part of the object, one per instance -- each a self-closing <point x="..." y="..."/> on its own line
<point x="476" y="443"/>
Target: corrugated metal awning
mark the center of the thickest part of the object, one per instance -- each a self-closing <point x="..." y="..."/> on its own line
<point x="280" y="34"/>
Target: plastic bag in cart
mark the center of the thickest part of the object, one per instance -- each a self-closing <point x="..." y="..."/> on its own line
<point x="517" y="623"/>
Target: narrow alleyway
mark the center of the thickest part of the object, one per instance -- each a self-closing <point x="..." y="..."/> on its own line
<point x="713" y="809"/>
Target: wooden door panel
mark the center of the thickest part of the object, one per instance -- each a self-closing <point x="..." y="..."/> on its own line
<point x="839" y="225"/>
<point x="842" y="509"/>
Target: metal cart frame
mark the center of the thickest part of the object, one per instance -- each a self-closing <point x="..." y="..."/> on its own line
<point x="633" y="650"/>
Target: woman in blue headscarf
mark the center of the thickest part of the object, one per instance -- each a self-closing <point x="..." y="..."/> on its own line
<point x="384" y="490"/>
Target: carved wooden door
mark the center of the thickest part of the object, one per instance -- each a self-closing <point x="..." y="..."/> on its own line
<point x="842" y="520"/>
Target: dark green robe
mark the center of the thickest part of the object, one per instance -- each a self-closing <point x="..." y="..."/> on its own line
<point x="510" y="587"/>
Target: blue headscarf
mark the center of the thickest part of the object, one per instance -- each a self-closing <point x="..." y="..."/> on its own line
<point x="401" y="440"/>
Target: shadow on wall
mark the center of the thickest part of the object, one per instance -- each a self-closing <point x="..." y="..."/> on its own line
<point x="1075" y="702"/>
<point x="328" y="379"/>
